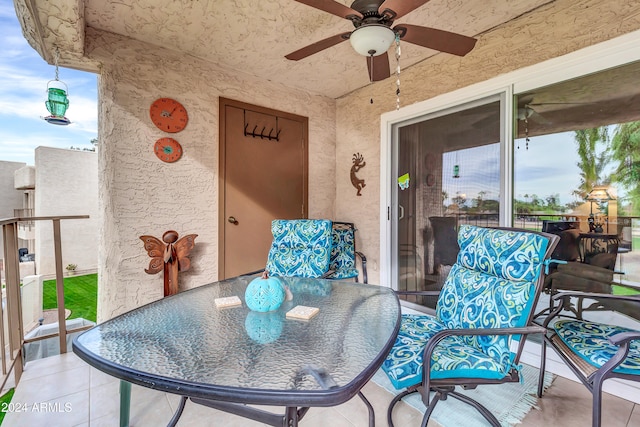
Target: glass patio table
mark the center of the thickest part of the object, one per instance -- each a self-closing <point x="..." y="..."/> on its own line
<point x="233" y="357"/>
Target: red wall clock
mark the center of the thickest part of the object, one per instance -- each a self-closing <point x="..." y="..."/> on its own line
<point x="168" y="150"/>
<point x="168" y="115"/>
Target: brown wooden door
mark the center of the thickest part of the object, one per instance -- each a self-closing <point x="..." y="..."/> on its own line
<point x="261" y="179"/>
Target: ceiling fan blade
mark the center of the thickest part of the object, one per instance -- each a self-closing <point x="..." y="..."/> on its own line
<point x="401" y="7"/>
<point x="378" y="67"/>
<point x="441" y="40"/>
<point x="332" y="7"/>
<point x="317" y="47"/>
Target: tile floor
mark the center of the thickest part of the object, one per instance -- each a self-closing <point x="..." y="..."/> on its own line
<point x="75" y="394"/>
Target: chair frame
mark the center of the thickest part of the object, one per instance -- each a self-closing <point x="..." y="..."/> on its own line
<point x="446" y="387"/>
<point x="590" y="376"/>
<point x="363" y="258"/>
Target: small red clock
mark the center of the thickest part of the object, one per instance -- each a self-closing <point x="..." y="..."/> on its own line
<point x="168" y="150"/>
<point x="168" y="115"/>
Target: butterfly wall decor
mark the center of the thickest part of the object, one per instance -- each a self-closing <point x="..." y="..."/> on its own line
<point x="169" y="254"/>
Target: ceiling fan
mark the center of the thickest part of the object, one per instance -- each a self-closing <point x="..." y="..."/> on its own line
<point x="528" y="110"/>
<point x="373" y="34"/>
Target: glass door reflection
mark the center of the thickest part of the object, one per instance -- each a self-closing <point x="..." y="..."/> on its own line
<point x="448" y="172"/>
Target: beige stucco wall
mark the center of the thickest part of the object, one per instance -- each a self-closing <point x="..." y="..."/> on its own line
<point x="553" y="30"/>
<point x="66" y="184"/>
<point x="141" y="195"/>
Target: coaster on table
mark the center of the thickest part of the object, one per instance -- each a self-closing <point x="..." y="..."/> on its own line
<point x="302" y="312"/>
<point x="227" y="302"/>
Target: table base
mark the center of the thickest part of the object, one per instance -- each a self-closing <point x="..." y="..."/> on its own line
<point x="289" y="419"/>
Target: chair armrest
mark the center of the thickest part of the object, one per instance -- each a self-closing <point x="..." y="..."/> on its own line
<point x="590" y="295"/>
<point x="328" y="274"/>
<point x="624" y="337"/>
<point x="427" y="293"/>
<point x="624" y="307"/>
<point x="363" y="259"/>
<point x="524" y="330"/>
<point x="623" y="342"/>
<point x="440" y="335"/>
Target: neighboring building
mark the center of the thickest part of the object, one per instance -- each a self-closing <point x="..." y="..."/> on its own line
<point x="66" y="183"/>
<point x="11" y="198"/>
<point x="62" y="182"/>
<point x="25" y="181"/>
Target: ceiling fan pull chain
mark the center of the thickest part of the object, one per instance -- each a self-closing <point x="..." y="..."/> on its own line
<point x="398" y="52"/>
<point x="526" y="133"/>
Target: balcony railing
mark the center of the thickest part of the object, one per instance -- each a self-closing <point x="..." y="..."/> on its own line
<point x="12" y="352"/>
<point x="24" y="213"/>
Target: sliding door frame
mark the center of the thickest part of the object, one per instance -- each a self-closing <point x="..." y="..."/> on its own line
<point x="619" y="51"/>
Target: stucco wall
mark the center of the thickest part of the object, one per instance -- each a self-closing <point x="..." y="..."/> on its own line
<point x="140" y="195"/>
<point x="553" y="30"/>
<point x="10" y="198"/>
<point x="66" y="184"/>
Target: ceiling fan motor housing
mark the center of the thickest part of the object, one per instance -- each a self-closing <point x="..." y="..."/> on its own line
<point x="372" y="40"/>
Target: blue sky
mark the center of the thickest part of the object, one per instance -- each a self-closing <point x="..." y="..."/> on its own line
<point x="24" y="76"/>
<point x="547" y="167"/>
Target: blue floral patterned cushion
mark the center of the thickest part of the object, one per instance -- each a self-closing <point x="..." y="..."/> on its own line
<point x="451" y="359"/>
<point x="590" y="341"/>
<point x="343" y="254"/>
<point x="492" y="285"/>
<point x="300" y="248"/>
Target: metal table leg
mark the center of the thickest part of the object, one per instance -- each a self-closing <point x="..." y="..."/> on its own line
<point x="125" y="403"/>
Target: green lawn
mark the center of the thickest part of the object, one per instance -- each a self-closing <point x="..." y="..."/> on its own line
<point x="4" y="401"/>
<point x="80" y="296"/>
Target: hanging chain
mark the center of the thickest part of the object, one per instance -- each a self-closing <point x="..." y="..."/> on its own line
<point x="56" y="57"/>
<point x="526" y="132"/>
<point x="398" y="52"/>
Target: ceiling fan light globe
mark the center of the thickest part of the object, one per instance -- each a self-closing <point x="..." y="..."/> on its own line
<point x="372" y="40"/>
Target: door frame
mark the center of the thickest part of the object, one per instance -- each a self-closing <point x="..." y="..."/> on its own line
<point x="435" y="107"/>
<point x="223" y="103"/>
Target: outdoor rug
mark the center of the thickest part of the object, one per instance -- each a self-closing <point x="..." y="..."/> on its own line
<point x="509" y="402"/>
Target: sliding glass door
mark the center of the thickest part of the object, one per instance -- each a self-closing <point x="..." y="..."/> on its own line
<point x="446" y="172"/>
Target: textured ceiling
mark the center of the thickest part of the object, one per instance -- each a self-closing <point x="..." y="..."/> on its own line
<point x="254" y="36"/>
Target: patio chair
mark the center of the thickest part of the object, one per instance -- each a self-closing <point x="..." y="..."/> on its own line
<point x="343" y="253"/>
<point x="300" y="248"/>
<point x="582" y="270"/>
<point x="483" y="315"/>
<point x="595" y="351"/>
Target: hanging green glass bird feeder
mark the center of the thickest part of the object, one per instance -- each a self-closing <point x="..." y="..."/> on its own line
<point x="57" y="101"/>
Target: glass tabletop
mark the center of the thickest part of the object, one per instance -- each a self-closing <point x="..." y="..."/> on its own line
<point x="183" y="344"/>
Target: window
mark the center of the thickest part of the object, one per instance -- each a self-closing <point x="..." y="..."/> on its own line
<point x="577" y="161"/>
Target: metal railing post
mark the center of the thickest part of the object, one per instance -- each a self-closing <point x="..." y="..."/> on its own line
<point x="62" y="325"/>
<point x="14" y="306"/>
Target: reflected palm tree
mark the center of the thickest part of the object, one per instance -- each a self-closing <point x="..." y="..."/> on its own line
<point x="625" y="148"/>
<point x="594" y="156"/>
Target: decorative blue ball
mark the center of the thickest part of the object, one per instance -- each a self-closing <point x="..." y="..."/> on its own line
<point x="264" y="294"/>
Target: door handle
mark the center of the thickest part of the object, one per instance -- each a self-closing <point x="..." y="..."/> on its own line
<point x="232" y="220"/>
<point x="401" y="208"/>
